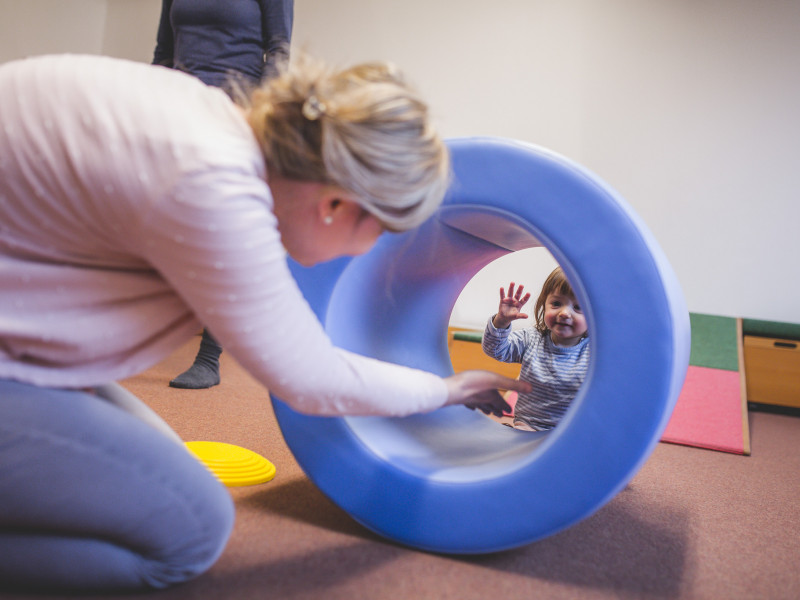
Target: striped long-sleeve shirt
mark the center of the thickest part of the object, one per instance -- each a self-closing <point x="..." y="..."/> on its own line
<point x="555" y="372"/>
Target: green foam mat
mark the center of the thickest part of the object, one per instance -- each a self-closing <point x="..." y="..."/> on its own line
<point x="714" y="342"/>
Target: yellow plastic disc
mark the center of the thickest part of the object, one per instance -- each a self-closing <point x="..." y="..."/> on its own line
<point x="233" y="465"/>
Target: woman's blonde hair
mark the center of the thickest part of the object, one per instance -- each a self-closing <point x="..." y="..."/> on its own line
<point x="556" y="283"/>
<point x="360" y="128"/>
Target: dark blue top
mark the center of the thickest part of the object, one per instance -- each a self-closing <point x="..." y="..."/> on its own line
<point x="213" y="39"/>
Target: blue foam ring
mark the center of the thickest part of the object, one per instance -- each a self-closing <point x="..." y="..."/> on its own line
<point x="454" y="481"/>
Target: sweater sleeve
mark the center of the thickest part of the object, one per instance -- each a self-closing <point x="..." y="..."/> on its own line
<point x="216" y="242"/>
<point x="157" y="218"/>
<point x="503" y="344"/>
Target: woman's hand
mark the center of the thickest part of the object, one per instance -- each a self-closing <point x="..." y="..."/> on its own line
<point x="478" y="389"/>
<point x="510" y="306"/>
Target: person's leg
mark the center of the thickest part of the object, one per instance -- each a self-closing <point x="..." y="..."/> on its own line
<point x="122" y="398"/>
<point x="522" y="425"/>
<point x="92" y="498"/>
<point x="204" y="372"/>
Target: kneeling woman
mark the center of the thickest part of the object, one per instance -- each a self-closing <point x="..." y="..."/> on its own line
<point x="137" y="205"/>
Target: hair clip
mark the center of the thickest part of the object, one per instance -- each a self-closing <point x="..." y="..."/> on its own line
<point x="313" y="108"/>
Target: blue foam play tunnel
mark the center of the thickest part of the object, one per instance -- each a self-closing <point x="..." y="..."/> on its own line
<point x="452" y="480"/>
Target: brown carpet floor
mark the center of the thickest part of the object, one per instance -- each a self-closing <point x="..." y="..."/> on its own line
<point x="693" y="524"/>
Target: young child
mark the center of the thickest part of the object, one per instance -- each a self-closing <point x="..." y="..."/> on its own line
<point x="554" y="353"/>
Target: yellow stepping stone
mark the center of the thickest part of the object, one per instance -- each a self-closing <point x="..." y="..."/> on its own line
<point x="233" y="465"/>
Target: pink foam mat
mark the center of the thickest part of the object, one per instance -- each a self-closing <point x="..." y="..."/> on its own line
<point x="710" y="412"/>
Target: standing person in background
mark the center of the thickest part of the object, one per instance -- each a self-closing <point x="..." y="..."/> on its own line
<point x="215" y="40"/>
<point x="230" y="44"/>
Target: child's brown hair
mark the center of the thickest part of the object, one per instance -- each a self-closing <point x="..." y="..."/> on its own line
<point x="556" y="283"/>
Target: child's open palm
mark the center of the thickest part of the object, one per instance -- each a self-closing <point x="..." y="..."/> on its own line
<point x="510" y="306"/>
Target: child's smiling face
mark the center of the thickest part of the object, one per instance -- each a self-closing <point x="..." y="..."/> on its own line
<point x="565" y="320"/>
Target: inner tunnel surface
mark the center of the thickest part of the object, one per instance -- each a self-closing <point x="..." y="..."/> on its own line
<point x="405" y="289"/>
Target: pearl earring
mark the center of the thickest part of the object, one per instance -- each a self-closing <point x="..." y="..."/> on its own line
<point x="328" y="220"/>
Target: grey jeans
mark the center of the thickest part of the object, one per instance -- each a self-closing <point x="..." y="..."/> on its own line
<point x="95" y="494"/>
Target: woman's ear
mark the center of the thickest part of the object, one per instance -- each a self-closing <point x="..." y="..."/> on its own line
<point x="335" y="204"/>
<point x="328" y="210"/>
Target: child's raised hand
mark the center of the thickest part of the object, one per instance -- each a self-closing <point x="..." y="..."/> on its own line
<point x="510" y="306"/>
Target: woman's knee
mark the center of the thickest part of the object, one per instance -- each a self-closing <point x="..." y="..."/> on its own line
<point x="187" y="554"/>
<point x="77" y="465"/>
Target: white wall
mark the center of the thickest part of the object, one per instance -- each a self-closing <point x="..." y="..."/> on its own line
<point x="29" y="27"/>
<point x="130" y="29"/>
<point x="687" y="108"/>
<point x="122" y="28"/>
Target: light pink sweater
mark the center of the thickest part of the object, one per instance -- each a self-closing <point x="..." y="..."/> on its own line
<point x="133" y="208"/>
